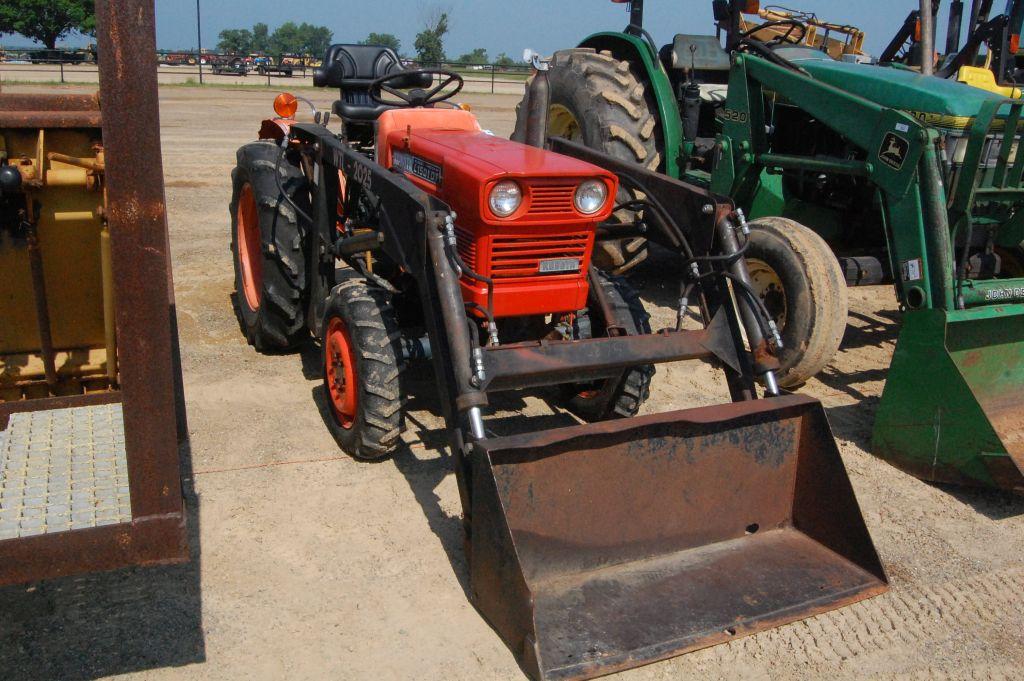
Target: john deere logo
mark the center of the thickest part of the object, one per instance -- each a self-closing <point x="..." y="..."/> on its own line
<point x="894" y="151"/>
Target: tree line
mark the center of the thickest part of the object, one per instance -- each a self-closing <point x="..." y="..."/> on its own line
<point x="305" y="38"/>
<point x="288" y="38"/>
<point x="48" y="21"/>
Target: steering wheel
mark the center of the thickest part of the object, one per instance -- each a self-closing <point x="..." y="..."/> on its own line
<point x="416" y="96"/>
<point x="786" y="37"/>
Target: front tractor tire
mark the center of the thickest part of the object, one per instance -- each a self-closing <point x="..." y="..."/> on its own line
<point x="612" y="398"/>
<point x="598" y="101"/>
<point x="800" y="282"/>
<point x="267" y="244"/>
<point x="362" y="362"/>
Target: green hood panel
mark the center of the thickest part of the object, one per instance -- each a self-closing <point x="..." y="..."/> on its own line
<point x="901" y="89"/>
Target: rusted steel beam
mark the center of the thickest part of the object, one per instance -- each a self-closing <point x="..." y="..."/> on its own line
<point x="149" y="541"/>
<point x="139" y="249"/>
<point x="49" y="102"/>
<point x="532" y="364"/>
<point x="62" y="402"/>
<point x="30" y="118"/>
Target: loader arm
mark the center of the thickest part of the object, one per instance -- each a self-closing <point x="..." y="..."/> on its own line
<point x="948" y="412"/>
<point x="910" y="220"/>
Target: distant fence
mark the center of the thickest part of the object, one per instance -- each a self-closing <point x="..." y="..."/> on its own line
<point x="189" y="68"/>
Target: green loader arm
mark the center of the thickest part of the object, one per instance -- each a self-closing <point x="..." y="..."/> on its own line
<point x="901" y="161"/>
<point x="949" y="411"/>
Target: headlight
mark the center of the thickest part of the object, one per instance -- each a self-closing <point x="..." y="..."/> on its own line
<point x="591" y="196"/>
<point x="505" y="198"/>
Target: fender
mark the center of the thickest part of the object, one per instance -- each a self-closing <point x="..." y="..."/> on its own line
<point x="275" y="128"/>
<point x="636" y="51"/>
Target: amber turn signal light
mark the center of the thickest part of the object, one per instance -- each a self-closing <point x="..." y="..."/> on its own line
<point x="285" y="105"/>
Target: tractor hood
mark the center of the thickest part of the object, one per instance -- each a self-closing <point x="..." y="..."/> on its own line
<point x="937" y="101"/>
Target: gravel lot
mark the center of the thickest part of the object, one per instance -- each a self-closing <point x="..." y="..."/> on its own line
<point x="308" y="564"/>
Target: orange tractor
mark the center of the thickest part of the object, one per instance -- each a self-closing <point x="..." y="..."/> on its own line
<point x="592" y="548"/>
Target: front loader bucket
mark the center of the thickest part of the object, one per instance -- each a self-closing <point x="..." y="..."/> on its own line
<point x="952" y="408"/>
<point x="606" y="546"/>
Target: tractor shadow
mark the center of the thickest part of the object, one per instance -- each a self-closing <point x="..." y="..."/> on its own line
<point x="425" y="458"/>
<point x="874" y="330"/>
<point x="994" y="504"/>
<point x="109" y="623"/>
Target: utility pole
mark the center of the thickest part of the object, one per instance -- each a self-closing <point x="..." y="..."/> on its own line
<point x="199" y="43"/>
<point x="927" y="38"/>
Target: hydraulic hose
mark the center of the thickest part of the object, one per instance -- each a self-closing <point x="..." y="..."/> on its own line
<point x="280" y="185"/>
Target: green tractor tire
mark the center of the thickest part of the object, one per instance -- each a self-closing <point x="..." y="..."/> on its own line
<point x="599" y="101"/>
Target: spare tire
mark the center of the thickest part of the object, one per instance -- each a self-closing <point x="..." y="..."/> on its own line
<point x="798" y="278"/>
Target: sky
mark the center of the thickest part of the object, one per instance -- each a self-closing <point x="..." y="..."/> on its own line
<point x="497" y="25"/>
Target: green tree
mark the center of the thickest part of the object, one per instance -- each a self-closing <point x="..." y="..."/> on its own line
<point x="260" y="37"/>
<point x="504" y="61"/>
<point x="236" y="40"/>
<point x="430" y="41"/>
<point x="47" y="20"/>
<point x="477" y="56"/>
<point x="292" y="38"/>
<point x="385" y="39"/>
<point x="317" y="39"/>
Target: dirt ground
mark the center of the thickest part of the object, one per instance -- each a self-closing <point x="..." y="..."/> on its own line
<point x="310" y="565"/>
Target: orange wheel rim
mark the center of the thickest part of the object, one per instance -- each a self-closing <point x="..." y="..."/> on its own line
<point x="250" y="256"/>
<point x="340" y="372"/>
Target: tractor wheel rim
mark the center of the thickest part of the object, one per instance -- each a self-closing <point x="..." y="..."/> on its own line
<point x="562" y="123"/>
<point x="340" y="372"/>
<point x="250" y="256"/>
<point x="768" y="287"/>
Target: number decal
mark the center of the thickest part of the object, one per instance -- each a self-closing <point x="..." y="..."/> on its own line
<point x="735" y="116"/>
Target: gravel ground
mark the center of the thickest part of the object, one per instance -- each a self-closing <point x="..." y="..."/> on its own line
<point x="308" y="564"/>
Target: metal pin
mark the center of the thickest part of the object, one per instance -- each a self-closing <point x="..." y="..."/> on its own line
<point x="476" y="423"/>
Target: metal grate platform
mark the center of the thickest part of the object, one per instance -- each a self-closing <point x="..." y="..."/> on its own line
<point x="63" y="469"/>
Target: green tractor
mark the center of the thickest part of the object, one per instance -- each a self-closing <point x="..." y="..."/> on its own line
<point x="905" y="178"/>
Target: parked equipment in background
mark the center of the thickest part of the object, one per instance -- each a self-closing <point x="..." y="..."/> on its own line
<point x="91" y="410"/>
<point x="591" y="548"/>
<point x="998" y="69"/>
<point x="265" y="66"/>
<point x="907" y="177"/>
<point x="839" y="41"/>
<point x="230" y="66"/>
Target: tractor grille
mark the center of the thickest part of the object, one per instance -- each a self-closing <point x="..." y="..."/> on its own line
<point x="466" y="246"/>
<point x="520" y="256"/>
<point x="551" y="199"/>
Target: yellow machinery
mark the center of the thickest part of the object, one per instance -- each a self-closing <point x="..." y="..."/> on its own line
<point x="838" y="40"/>
<point x="91" y="403"/>
<point x="57" y="301"/>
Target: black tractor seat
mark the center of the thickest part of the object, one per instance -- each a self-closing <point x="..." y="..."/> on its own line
<point x="351" y="69"/>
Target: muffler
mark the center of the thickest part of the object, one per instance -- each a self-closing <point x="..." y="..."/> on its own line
<point x="606" y="546"/>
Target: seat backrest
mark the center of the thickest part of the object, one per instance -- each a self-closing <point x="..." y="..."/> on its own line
<point x="356" y="66"/>
<point x="702" y="52"/>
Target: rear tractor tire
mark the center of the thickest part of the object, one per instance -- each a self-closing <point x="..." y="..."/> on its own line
<point x="612" y="398"/>
<point x="598" y="101"/>
<point x="362" y="363"/>
<point x="799" y="279"/>
<point x="267" y="244"/>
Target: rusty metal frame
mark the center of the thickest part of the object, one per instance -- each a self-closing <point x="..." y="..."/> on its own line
<point x="150" y="373"/>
